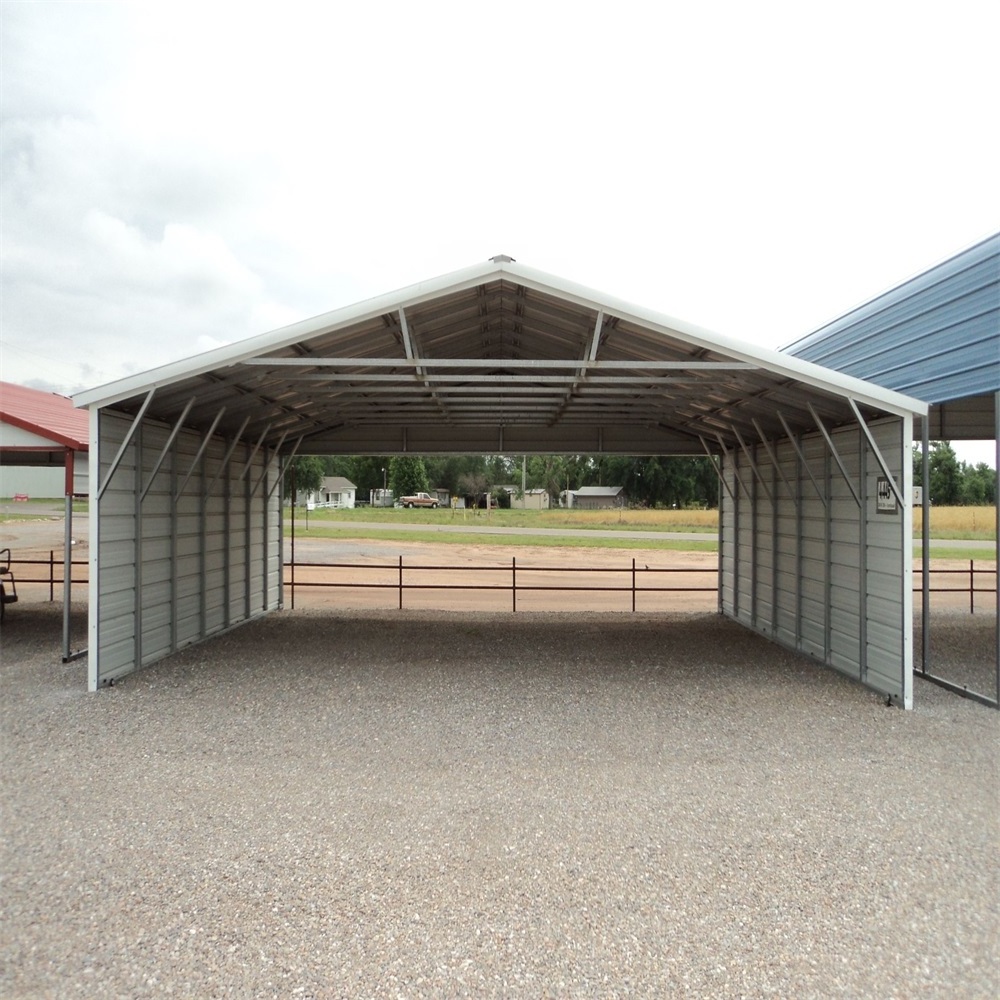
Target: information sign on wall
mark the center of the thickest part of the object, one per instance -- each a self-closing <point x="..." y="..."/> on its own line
<point x="885" y="499"/>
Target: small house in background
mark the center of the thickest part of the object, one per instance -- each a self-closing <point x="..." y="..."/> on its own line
<point x="530" y="500"/>
<point x="336" y="491"/>
<point x="596" y="497"/>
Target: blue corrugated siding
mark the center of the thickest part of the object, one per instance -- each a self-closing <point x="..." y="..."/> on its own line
<point x="936" y="337"/>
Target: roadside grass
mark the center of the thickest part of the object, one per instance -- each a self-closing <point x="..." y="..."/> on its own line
<point x="508" y="540"/>
<point x="979" y="555"/>
<point x="606" y="520"/>
<point x="954" y="523"/>
<point x="41" y="514"/>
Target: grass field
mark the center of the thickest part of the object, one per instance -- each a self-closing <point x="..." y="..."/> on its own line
<point x="958" y="523"/>
<point x="470" y="537"/>
<point x="607" y="520"/>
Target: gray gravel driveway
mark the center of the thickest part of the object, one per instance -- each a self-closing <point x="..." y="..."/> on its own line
<point x="430" y="804"/>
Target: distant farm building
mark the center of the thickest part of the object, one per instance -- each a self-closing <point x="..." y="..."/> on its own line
<point x="596" y="497"/>
<point x="530" y="500"/>
<point x="335" y="491"/>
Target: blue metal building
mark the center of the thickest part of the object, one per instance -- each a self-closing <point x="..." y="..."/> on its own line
<point x="935" y="337"/>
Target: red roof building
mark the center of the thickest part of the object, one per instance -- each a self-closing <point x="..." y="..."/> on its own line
<point x="41" y="429"/>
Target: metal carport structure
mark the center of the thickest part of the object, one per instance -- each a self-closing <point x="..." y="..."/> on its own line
<point x="43" y="429"/>
<point x="814" y="466"/>
<point x="936" y="337"/>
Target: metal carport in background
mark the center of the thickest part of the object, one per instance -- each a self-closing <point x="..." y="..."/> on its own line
<point x="501" y="358"/>
<point x="43" y="430"/>
<point x="936" y="337"/>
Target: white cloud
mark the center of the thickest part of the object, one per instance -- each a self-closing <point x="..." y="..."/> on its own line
<point x="185" y="175"/>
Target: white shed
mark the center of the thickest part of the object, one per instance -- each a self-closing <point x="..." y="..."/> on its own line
<point x="334" y="492"/>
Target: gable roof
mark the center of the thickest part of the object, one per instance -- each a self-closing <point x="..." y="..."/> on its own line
<point x="337" y="484"/>
<point x="49" y="419"/>
<point x="496" y="357"/>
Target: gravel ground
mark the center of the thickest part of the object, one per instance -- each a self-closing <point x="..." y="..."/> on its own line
<point x="431" y="804"/>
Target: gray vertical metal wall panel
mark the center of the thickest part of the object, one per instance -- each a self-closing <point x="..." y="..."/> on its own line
<point x="833" y="581"/>
<point x="165" y="565"/>
<point x="888" y="582"/>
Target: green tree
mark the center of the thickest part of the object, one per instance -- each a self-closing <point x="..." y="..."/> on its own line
<point x="303" y="474"/>
<point x="945" y="475"/>
<point x="407" y="475"/>
<point x="978" y="485"/>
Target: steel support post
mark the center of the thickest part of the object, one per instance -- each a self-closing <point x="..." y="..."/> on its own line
<point x="925" y="539"/>
<point x="996" y="576"/>
<point x="862" y="557"/>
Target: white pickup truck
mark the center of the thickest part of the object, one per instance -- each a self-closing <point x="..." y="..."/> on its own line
<point x="419" y="500"/>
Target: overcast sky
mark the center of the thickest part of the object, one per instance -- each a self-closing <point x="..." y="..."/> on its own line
<point x="178" y="176"/>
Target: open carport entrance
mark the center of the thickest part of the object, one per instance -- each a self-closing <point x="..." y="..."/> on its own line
<point x="814" y="466"/>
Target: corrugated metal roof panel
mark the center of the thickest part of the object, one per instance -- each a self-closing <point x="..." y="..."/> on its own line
<point x="51" y="416"/>
<point x="936" y="337"/>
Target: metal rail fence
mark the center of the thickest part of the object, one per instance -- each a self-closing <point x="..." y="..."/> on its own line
<point x="981" y="579"/>
<point x="406" y="578"/>
<point x="512" y="578"/>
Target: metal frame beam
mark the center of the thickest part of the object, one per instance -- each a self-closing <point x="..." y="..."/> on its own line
<point x="117" y="460"/>
<point x="834" y="453"/>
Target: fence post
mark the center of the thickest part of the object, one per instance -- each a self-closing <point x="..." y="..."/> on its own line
<point x="972" y="589"/>
<point x="400" y="583"/>
<point x="52" y="575"/>
<point x="633" y="584"/>
<point x="513" y="583"/>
